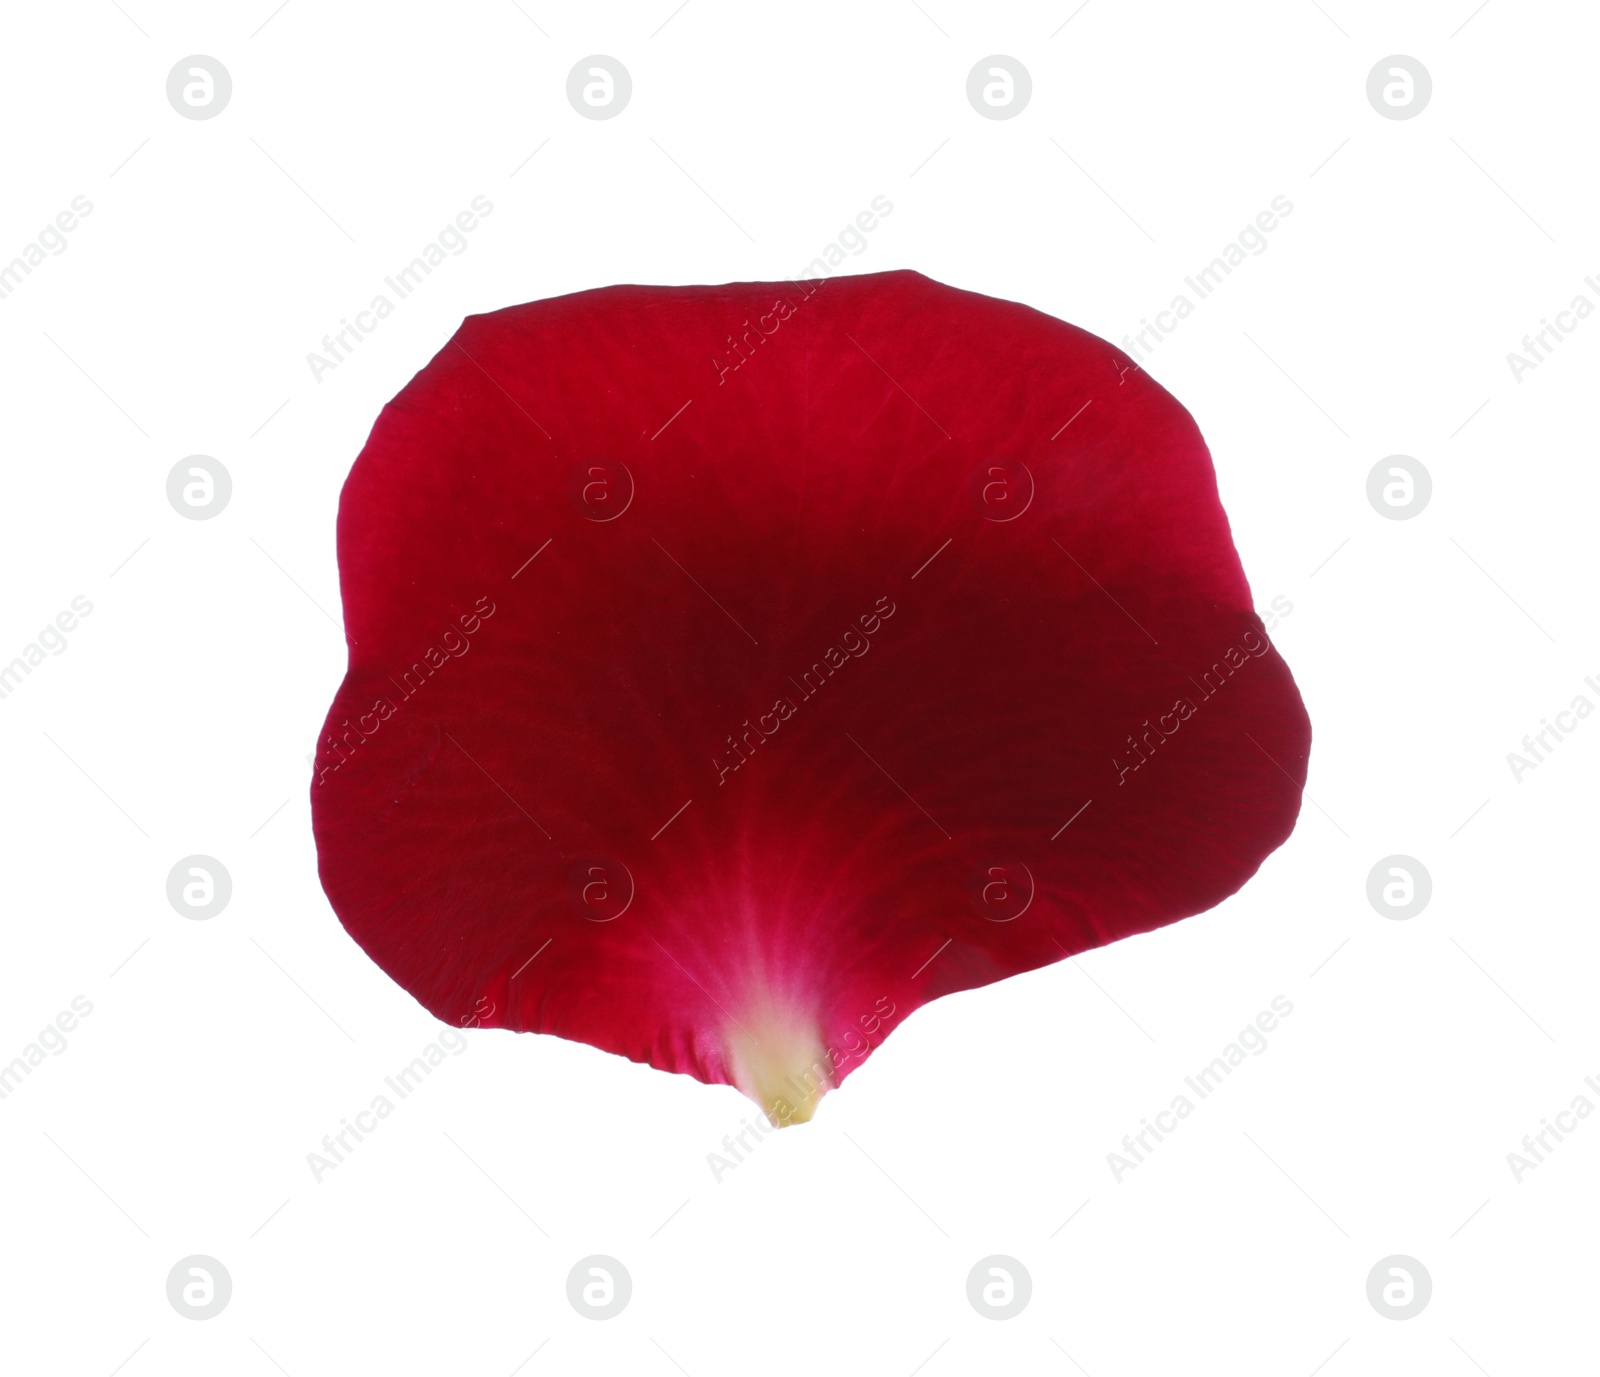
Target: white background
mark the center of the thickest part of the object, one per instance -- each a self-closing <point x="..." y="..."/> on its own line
<point x="178" y="719"/>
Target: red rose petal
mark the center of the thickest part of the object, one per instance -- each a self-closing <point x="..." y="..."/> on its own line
<point x="954" y="575"/>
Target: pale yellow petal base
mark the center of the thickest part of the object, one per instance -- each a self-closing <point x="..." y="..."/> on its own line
<point x="779" y="1060"/>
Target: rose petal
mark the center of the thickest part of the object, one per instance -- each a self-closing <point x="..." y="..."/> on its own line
<point x="735" y="669"/>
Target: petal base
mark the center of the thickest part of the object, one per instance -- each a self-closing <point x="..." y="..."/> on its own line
<point x="778" y="1058"/>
